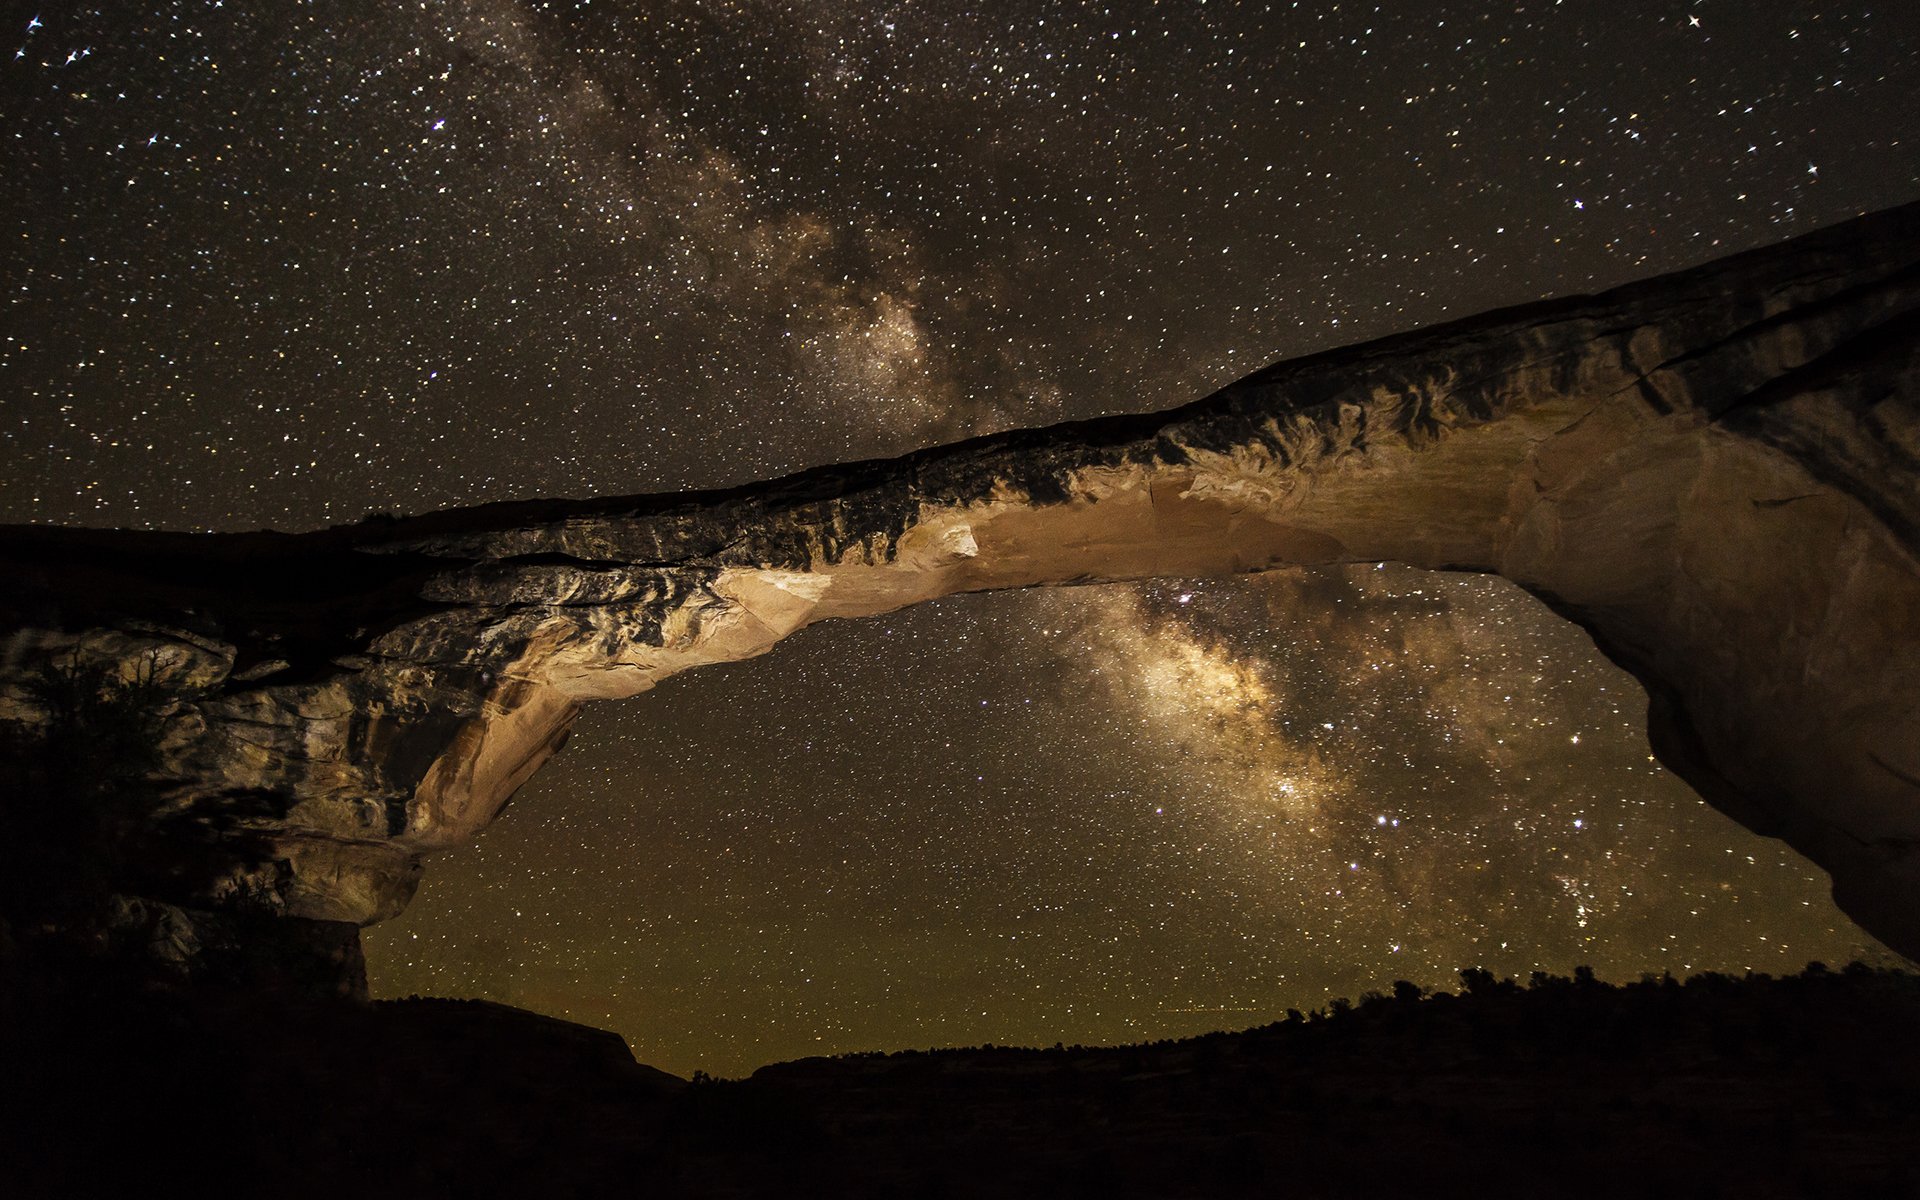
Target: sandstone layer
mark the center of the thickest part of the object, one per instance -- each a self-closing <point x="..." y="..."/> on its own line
<point x="1716" y="473"/>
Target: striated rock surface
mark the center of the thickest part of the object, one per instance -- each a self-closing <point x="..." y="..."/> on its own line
<point x="1716" y="473"/>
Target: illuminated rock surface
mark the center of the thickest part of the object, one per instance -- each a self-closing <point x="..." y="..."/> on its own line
<point x="1716" y="473"/>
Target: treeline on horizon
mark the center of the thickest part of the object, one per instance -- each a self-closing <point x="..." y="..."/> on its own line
<point x="1739" y="1004"/>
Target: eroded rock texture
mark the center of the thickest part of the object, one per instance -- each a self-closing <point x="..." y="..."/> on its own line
<point x="1716" y="473"/>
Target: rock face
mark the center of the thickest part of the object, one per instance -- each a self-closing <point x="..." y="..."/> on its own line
<point x="1716" y="473"/>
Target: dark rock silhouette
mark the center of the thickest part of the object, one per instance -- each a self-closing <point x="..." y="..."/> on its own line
<point x="1758" y="1087"/>
<point x="1716" y="473"/>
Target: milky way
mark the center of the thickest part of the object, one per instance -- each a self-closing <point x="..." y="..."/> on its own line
<point x="288" y="264"/>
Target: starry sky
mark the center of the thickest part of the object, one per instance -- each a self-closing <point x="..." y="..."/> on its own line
<point x="285" y="265"/>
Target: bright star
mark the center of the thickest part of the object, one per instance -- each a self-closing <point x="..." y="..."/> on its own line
<point x="1693" y="21"/>
<point x="33" y="24"/>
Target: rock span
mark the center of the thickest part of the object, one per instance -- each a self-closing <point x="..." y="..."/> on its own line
<point x="1716" y="473"/>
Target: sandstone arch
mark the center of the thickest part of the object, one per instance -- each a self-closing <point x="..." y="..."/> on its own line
<point x="1716" y="473"/>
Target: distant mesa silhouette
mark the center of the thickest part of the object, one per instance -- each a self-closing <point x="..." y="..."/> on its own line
<point x="1797" y="1086"/>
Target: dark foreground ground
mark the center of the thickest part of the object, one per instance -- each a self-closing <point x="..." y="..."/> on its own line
<point x="1804" y="1086"/>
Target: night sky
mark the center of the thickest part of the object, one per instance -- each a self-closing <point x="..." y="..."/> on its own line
<point x="287" y="264"/>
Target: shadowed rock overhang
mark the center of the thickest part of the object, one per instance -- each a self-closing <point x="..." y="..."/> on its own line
<point x="1716" y="473"/>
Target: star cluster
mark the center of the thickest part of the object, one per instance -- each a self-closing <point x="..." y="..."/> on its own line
<point x="282" y="265"/>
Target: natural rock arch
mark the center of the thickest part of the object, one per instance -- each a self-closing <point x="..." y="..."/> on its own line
<point x="1716" y="473"/>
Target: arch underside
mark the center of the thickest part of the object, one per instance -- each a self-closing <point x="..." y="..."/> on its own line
<point x="1716" y="473"/>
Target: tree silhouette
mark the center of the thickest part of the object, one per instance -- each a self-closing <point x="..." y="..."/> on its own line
<point x="73" y="783"/>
